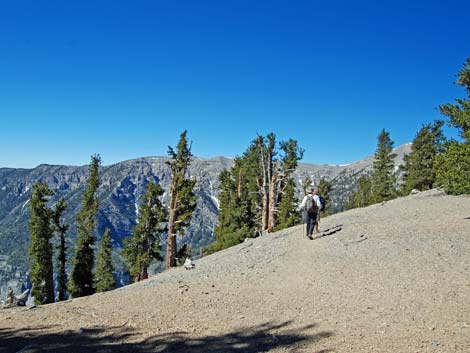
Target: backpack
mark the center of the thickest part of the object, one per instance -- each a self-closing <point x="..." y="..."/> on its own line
<point x="311" y="206"/>
<point x="323" y="203"/>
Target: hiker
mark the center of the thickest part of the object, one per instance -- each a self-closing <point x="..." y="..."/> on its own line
<point x="312" y="205"/>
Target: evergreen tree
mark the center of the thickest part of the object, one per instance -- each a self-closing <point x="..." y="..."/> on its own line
<point x="362" y="197"/>
<point x="288" y="215"/>
<point x="453" y="166"/>
<point x="419" y="171"/>
<point x="459" y="114"/>
<point x="144" y="245"/>
<point x="61" y="230"/>
<point x="184" y="252"/>
<point x="284" y="200"/>
<point x="325" y="188"/>
<point x="182" y="196"/>
<point x="81" y="279"/>
<point x="41" y="249"/>
<point x="258" y="193"/>
<point x="237" y="219"/>
<point x="104" y="278"/>
<point x="383" y="178"/>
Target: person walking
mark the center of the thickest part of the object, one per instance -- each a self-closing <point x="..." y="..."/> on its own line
<point x="311" y="204"/>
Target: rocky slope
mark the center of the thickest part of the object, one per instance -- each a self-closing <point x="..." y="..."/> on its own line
<point x="122" y="186"/>
<point x="394" y="278"/>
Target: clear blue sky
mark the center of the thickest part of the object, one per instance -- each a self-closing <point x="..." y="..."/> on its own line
<point x="124" y="78"/>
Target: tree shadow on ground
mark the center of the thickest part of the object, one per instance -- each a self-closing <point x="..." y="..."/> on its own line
<point x="261" y="338"/>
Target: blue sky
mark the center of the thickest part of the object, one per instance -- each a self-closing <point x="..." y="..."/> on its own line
<point x="124" y="78"/>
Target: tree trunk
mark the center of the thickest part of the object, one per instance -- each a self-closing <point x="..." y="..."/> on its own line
<point x="240" y="178"/>
<point x="264" y="207"/>
<point x="171" y="241"/>
<point x="271" y="221"/>
<point x="143" y="273"/>
<point x="50" y="286"/>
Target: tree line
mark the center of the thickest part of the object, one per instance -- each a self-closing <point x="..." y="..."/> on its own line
<point x="434" y="161"/>
<point x="92" y="272"/>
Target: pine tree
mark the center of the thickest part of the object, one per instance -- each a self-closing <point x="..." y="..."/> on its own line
<point x="144" y="245"/>
<point x="419" y="171"/>
<point x="284" y="201"/>
<point x="81" y="279"/>
<point x="288" y="215"/>
<point x="237" y="217"/>
<point x="325" y="188"/>
<point x="362" y="197"/>
<point x="258" y="193"/>
<point x="183" y="253"/>
<point x="459" y="114"/>
<point x="41" y="250"/>
<point x="182" y="196"/>
<point x="61" y="230"/>
<point x="453" y="166"/>
<point x="383" y="178"/>
<point x="104" y="278"/>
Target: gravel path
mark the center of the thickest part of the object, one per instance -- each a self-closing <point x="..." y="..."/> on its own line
<point x="394" y="278"/>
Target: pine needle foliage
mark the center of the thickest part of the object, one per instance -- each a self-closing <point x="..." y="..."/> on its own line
<point x="325" y="187"/>
<point x="186" y="251"/>
<point x="258" y="193"/>
<point x="144" y="244"/>
<point x="237" y="216"/>
<point x="41" y="249"/>
<point x="182" y="196"/>
<point x="383" y="177"/>
<point x="285" y="200"/>
<point x="419" y="170"/>
<point x="288" y="215"/>
<point x="453" y="166"/>
<point x="61" y="230"/>
<point x="104" y="278"/>
<point x="362" y="197"/>
<point x="81" y="278"/>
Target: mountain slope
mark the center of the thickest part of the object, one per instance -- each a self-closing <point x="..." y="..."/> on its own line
<point x="122" y="187"/>
<point x="395" y="278"/>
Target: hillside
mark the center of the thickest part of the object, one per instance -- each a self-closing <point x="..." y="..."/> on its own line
<point x="122" y="187"/>
<point x="395" y="278"/>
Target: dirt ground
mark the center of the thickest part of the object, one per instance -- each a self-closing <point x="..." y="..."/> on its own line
<point x="392" y="277"/>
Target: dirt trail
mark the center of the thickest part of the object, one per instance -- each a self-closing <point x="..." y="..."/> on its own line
<point x="395" y="278"/>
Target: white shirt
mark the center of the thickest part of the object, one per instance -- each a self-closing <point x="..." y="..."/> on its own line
<point x="316" y="198"/>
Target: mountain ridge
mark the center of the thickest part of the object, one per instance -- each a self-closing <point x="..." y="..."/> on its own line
<point x="398" y="148"/>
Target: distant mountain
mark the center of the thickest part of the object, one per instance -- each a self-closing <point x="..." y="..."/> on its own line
<point x="122" y="187"/>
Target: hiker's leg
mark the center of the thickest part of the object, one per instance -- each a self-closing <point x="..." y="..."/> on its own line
<point x="317" y="221"/>
<point x="307" y="224"/>
<point x="310" y="225"/>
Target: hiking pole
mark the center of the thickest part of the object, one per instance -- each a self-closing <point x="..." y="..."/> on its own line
<point x="304" y="226"/>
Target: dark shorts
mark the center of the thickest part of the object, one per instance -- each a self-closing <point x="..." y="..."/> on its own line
<point x="313" y="216"/>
